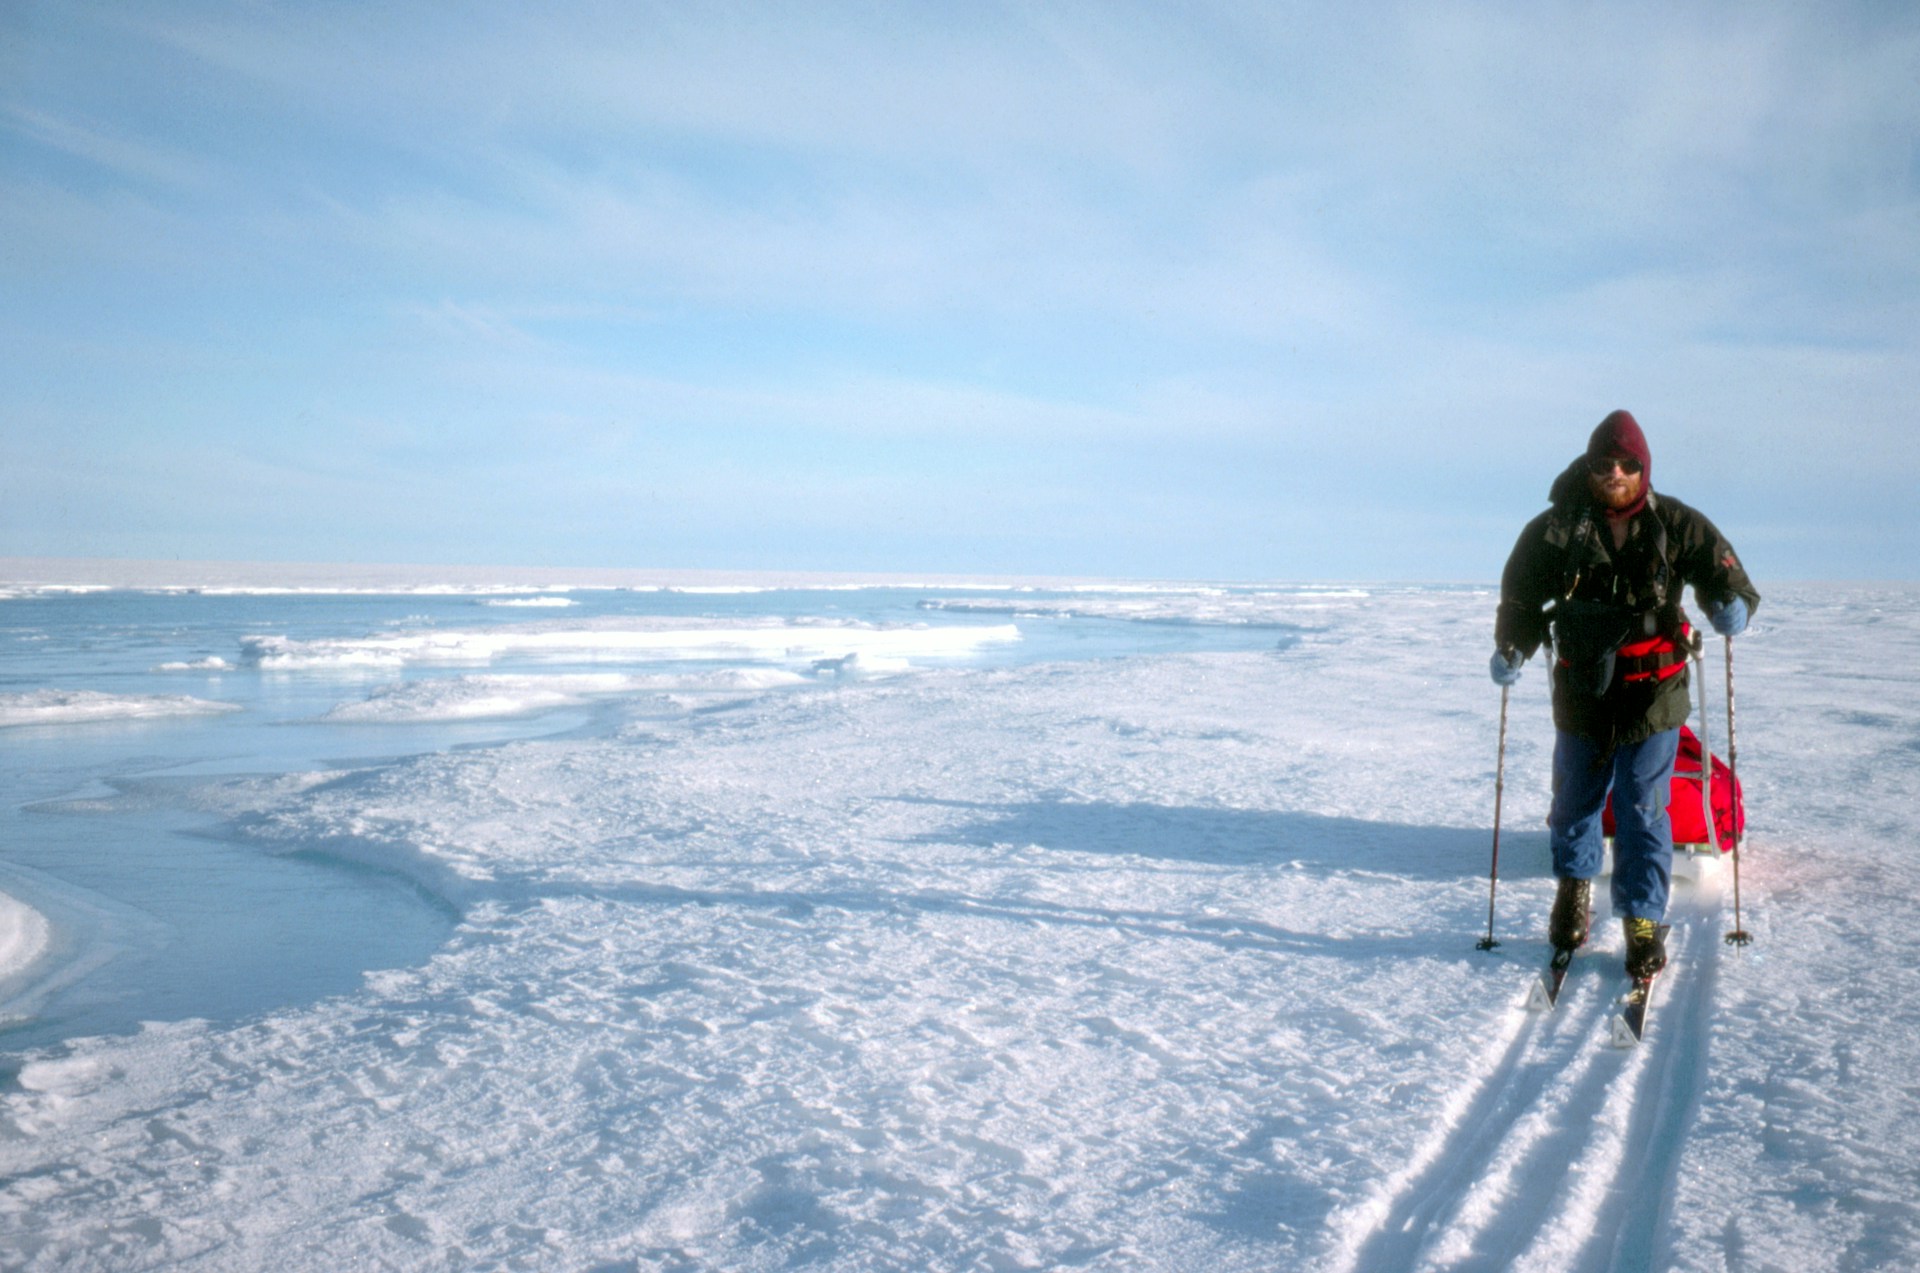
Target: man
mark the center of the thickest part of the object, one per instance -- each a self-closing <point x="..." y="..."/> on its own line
<point x="1600" y="573"/>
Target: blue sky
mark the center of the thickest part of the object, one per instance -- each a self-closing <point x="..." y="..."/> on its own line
<point x="1260" y="291"/>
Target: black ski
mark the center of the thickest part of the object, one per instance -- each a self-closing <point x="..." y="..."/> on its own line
<point x="1546" y="991"/>
<point x="1630" y="1024"/>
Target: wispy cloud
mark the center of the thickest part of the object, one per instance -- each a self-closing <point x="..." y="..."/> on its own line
<point x="1064" y="237"/>
<point x="129" y="158"/>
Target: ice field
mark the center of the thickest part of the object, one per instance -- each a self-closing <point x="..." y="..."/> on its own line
<point x="512" y="925"/>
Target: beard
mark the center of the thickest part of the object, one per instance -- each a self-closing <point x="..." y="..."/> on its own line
<point x="1616" y="490"/>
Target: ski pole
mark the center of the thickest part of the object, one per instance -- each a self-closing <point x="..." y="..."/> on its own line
<point x="1499" y="786"/>
<point x="1706" y="747"/>
<point x="1739" y="936"/>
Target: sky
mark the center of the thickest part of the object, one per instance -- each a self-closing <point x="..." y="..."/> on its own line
<point x="1210" y="291"/>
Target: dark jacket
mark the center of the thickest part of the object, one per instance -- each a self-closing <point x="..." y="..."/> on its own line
<point x="1566" y="583"/>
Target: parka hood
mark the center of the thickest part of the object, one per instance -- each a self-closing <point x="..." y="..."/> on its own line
<point x="1618" y="434"/>
<point x="1570" y="488"/>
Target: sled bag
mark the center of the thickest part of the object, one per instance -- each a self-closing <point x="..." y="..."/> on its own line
<point x="1683" y="804"/>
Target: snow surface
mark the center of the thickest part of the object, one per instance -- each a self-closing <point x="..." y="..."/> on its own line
<point x="23" y="939"/>
<point x="1253" y="608"/>
<point x="69" y="707"/>
<point x="770" y="641"/>
<point x="212" y="663"/>
<point x="1163" y="962"/>
<point x="478" y="697"/>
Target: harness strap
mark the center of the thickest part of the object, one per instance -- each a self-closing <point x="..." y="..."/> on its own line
<point x="1656" y="658"/>
<point x="1653" y="658"/>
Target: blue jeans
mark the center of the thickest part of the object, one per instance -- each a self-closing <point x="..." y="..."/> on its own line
<point x="1641" y="778"/>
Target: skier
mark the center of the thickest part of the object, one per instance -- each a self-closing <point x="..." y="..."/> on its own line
<point x="1600" y="573"/>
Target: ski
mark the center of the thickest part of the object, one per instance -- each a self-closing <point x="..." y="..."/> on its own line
<point x="1630" y="1023"/>
<point x="1546" y="989"/>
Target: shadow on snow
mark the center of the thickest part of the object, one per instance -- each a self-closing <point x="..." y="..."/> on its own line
<point x="1242" y="838"/>
<point x="1451" y="859"/>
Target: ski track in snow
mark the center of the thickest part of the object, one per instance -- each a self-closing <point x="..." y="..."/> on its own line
<point x="1565" y="1154"/>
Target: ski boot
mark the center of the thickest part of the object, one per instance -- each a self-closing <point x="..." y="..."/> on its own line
<point x="1572" y="905"/>
<point x="1646" y="952"/>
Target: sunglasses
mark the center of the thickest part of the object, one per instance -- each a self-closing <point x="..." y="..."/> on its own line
<point x="1601" y="465"/>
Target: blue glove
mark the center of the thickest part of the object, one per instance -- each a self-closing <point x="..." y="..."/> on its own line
<point x="1728" y="619"/>
<point x="1505" y="667"/>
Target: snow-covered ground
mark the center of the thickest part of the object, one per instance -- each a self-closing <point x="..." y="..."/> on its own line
<point x="43" y="707"/>
<point x="1153" y="962"/>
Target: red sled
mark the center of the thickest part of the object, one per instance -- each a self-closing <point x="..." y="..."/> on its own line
<point x="1687" y="810"/>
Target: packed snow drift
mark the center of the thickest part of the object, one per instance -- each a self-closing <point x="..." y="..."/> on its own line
<point x="1105" y="929"/>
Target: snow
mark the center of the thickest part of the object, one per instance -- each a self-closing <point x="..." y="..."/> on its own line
<point x="1164" y="961"/>
<point x="68" y="707"/>
<point x="770" y="641"/>
<point x="479" y="697"/>
<point x="1260" y="609"/>
<point x="23" y="939"/>
<point x="212" y="663"/>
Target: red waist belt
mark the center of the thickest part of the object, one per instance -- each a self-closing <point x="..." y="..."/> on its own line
<point x="1655" y="658"/>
